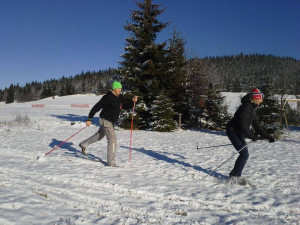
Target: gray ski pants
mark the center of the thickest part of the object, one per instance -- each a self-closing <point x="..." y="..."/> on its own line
<point x="106" y="129"/>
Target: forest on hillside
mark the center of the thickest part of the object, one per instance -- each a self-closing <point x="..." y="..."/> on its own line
<point x="85" y="82"/>
<point x="238" y="74"/>
<point x="243" y="71"/>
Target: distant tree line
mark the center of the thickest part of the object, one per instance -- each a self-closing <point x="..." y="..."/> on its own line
<point x="169" y="85"/>
<point x="241" y="71"/>
<point x="86" y="82"/>
<point x="230" y="73"/>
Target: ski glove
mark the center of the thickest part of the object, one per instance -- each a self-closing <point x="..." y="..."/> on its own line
<point x="255" y="138"/>
<point x="88" y="122"/>
<point x="271" y="140"/>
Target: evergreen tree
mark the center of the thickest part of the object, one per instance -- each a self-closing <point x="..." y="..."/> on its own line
<point x="144" y="61"/>
<point x="269" y="111"/>
<point x="47" y="91"/>
<point x="126" y="115"/>
<point x="1" y="95"/>
<point x="10" y="98"/>
<point x="199" y="76"/>
<point x="236" y="85"/>
<point x="69" y="88"/>
<point x="174" y="80"/>
<point x="26" y="94"/>
<point x="100" y="88"/>
<point x="162" y="114"/>
<point x="107" y="86"/>
<point x="62" y="91"/>
<point x="82" y="89"/>
<point x="215" y="116"/>
<point x="292" y="116"/>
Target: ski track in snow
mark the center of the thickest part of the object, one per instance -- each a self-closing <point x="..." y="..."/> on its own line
<point x="161" y="185"/>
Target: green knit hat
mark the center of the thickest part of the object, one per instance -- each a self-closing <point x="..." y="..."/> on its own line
<point x="116" y="85"/>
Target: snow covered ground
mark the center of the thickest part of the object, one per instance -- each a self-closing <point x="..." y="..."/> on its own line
<point x="161" y="185"/>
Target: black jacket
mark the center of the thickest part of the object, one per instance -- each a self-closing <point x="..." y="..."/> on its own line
<point x="111" y="106"/>
<point x="244" y="117"/>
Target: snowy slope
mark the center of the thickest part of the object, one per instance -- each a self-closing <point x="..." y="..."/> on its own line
<point x="161" y="185"/>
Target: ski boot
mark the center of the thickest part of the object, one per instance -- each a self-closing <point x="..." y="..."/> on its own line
<point x="83" y="150"/>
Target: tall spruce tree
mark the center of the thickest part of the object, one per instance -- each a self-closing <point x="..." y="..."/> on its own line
<point x="144" y="60"/>
<point x="174" y="81"/>
<point x="199" y="76"/>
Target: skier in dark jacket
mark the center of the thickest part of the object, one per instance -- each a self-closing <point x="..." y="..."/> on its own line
<point x="238" y="129"/>
<point x="110" y="106"/>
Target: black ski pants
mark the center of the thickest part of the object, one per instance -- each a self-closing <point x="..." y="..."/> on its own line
<point x="238" y="141"/>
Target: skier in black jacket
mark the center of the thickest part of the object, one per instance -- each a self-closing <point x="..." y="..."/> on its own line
<point x="110" y="106"/>
<point x="238" y="129"/>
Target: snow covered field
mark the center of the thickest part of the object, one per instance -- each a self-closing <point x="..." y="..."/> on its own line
<point x="161" y="185"/>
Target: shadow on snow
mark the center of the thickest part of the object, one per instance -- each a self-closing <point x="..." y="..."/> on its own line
<point x="74" y="152"/>
<point x="75" y="118"/>
<point x="160" y="156"/>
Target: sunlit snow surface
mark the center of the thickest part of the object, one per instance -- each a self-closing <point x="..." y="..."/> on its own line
<point x="161" y="185"/>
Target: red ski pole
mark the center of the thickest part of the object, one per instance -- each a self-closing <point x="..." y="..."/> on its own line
<point x="131" y="131"/>
<point x="64" y="141"/>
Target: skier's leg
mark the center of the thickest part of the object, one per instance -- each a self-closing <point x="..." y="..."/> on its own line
<point x="240" y="163"/>
<point x="108" y="129"/>
<point x="94" y="138"/>
<point x="238" y="142"/>
<point x="111" y="145"/>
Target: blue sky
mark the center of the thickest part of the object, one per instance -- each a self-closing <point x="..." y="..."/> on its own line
<point x="45" y="39"/>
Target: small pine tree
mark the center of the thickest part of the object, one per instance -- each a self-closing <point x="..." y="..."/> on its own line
<point x="126" y="115"/>
<point x="162" y="114"/>
<point x="215" y="115"/>
<point x="293" y="116"/>
<point x="269" y="111"/>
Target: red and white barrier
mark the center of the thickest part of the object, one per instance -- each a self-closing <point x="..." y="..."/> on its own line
<point x="80" y="105"/>
<point x="59" y="106"/>
<point x="38" y="105"/>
